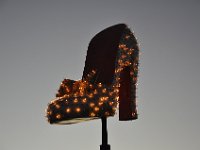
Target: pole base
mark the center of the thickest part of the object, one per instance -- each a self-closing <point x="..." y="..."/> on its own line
<point x="104" y="147"/>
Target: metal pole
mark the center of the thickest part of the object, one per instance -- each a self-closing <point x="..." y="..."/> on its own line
<point x="104" y="145"/>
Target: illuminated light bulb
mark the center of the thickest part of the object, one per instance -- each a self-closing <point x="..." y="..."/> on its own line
<point x="95" y="91"/>
<point x="116" y="90"/>
<point x="120" y="61"/>
<point x="106" y="98"/>
<point x="92" y="114"/>
<point x="101" y="99"/>
<point x="121" y="64"/>
<point x="127" y="63"/>
<point x="104" y="90"/>
<point x="58" y="116"/>
<point x="107" y="113"/>
<point x="123" y="45"/>
<point x="91" y="86"/>
<point x="123" y="56"/>
<point x="118" y="85"/>
<point x="100" y="103"/>
<point x="110" y="93"/>
<point x="131" y="50"/>
<point x="133" y="114"/>
<point x="68" y="110"/>
<point x="49" y="112"/>
<point x="81" y="88"/>
<point x="93" y="71"/>
<point x="127" y="36"/>
<point x="111" y="103"/>
<point x="92" y="104"/>
<point x="99" y="85"/>
<point x="125" y="48"/>
<point x="84" y="100"/>
<point x="90" y="95"/>
<point x="57" y="106"/>
<point x="135" y="64"/>
<point x="118" y="70"/>
<point x="78" y="109"/>
<point x="117" y="98"/>
<point x="88" y="75"/>
<point x="75" y="100"/>
<point x="129" y="53"/>
<point x="76" y="94"/>
<point x="96" y="109"/>
<point x="81" y="94"/>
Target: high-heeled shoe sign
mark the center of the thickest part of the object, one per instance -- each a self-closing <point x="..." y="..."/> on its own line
<point x="108" y="82"/>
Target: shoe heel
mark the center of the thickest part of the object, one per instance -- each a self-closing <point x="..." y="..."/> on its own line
<point x="127" y="104"/>
<point x="125" y="110"/>
<point x="127" y="72"/>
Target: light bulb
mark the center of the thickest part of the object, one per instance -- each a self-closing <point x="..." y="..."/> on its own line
<point x="92" y="104"/>
<point x="68" y="110"/>
<point x="91" y="95"/>
<point x="96" y="109"/>
<point x="99" y="85"/>
<point x="78" y="109"/>
<point x="100" y="103"/>
<point x="75" y="100"/>
<point x="92" y="114"/>
<point x="111" y="103"/>
<point x="57" y="106"/>
<point x="107" y="113"/>
<point x="95" y="91"/>
<point x="58" y="116"/>
<point x="104" y="90"/>
<point x="84" y="100"/>
<point x="110" y="93"/>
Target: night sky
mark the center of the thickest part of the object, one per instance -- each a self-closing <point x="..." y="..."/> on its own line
<point x="44" y="41"/>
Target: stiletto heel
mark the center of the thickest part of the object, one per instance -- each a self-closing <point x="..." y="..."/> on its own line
<point x="109" y="80"/>
<point x="125" y="111"/>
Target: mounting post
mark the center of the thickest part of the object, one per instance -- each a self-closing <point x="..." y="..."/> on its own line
<point x="104" y="145"/>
